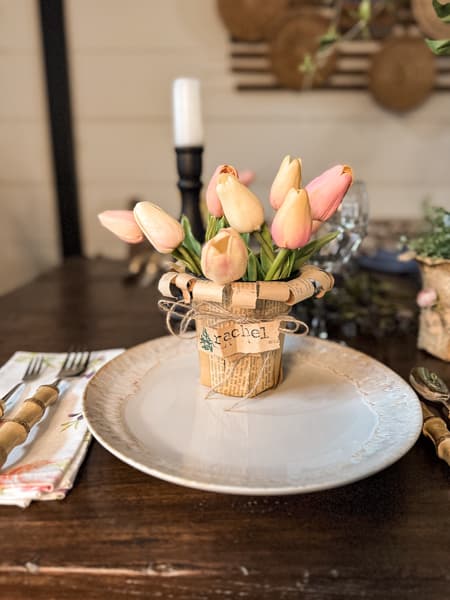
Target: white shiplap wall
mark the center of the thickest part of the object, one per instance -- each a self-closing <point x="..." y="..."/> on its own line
<point x="28" y="231"/>
<point x="124" y="56"/>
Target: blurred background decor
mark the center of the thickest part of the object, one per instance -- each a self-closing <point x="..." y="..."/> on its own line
<point x="86" y="122"/>
<point x="376" y="45"/>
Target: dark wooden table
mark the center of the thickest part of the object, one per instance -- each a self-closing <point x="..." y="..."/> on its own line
<point x="123" y="534"/>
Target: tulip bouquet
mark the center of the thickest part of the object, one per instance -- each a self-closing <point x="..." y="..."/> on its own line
<point x="239" y="245"/>
<point x="240" y="284"/>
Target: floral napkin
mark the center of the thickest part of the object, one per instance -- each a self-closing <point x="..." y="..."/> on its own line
<point x="45" y="466"/>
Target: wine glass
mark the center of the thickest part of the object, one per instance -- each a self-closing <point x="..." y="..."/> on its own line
<point x="350" y="221"/>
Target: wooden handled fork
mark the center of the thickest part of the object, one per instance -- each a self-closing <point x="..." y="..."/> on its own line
<point x="15" y="431"/>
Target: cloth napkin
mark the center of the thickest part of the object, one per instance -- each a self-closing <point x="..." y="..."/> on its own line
<point x="45" y="466"/>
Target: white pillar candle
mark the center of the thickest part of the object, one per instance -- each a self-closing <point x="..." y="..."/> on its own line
<point x="187" y="113"/>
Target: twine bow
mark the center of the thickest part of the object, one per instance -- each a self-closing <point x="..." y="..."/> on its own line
<point x="180" y="310"/>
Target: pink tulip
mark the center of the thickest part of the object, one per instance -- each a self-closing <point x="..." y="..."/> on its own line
<point x="122" y="224"/>
<point x="242" y="209"/>
<point x="212" y="200"/>
<point x="246" y="177"/>
<point x="291" y="227"/>
<point x="327" y="191"/>
<point x="289" y="176"/>
<point x="426" y="298"/>
<point x="163" y="231"/>
<point x="224" y="257"/>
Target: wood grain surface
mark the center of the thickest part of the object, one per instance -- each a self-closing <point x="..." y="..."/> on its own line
<point x="122" y="534"/>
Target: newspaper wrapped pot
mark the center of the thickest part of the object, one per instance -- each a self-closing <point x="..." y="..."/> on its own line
<point x="434" y="324"/>
<point x="241" y="326"/>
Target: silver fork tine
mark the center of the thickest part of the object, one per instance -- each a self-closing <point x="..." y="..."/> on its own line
<point x="30" y="366"/>
<point x="87" y="359"/>
<point x="32" y="371"/>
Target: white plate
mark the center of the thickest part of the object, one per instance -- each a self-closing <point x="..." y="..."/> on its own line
<point x="338" y="416"/>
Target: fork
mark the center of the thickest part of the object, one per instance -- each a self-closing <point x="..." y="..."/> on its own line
<point x="15" y="431"/>
<point x="32" y="372"/>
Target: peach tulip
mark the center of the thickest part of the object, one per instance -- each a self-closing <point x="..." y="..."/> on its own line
<point x="163" y="231"/>
<point x="122" y="223"/>
<point x="291" y="227"/>
<point x="212" y="200"/>
<point x="224" y="257"/>
<point x="327" y="191"/>
<point x="289" y="176"/>
<point x="242" y="209"/>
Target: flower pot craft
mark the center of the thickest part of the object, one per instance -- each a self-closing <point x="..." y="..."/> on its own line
<point x="431" y="249"/>
<point x="240" y="327"/>
<point x="240" y="283"/>
<point x="434" y="302"/>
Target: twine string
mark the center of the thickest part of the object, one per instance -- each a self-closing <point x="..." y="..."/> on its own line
<point x="185" y="313"/>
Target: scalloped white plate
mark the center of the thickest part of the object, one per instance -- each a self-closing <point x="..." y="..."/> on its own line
<point x="337" y="417"/>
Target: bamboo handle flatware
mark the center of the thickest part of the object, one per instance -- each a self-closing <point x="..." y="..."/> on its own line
<point x="431" y="387"/>
<point x="14" y="431"/>
<point x="32" y="372"/>
<point x="436" y="430"/>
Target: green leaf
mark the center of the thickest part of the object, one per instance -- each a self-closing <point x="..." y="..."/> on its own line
<point x="365" y="10"/>
<point x="308" y="66"/>
<point x="190" y="242"/>
<point x="330" y="37"/>
<point x="265" y="260"/>
<point x="246" y="238"/>
<point x="440" y="47"/>
<point x="252" y="268"/>
<point x="304" y="254"/>
<point x="442" y="11"/>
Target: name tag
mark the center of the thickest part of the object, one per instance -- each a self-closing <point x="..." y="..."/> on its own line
<point x="239" y="338"/>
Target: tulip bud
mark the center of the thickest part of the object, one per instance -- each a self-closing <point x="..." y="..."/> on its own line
<point x="212" y="200"/>
<point x="327" y="191"/>
<point x="246" y="177"/>
<point x="289" y="176"/>
<point x="242" y="209"/>
<point x="291" y="227"/>
<point x="163" y="231"/>
<point x="224" y="257"/>
<point x="122" y="223"/>
<point x="426" y="298"/>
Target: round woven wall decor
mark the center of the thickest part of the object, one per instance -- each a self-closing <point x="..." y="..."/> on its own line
<point x="250" y="20"/>
<point x="293" y="39"/>
<point x="402" y="74"/>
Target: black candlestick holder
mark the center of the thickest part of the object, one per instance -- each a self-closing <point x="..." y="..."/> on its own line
<point x="189" y="167"/>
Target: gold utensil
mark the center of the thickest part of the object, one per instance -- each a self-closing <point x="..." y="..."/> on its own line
<point x="32" y="372"/>
<point x="431" y="387"/>
<point x="15" y="431"/>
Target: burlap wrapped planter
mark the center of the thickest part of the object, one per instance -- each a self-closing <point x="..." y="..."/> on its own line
<point x="241" y="326"/>
<point x="434" y="324"/>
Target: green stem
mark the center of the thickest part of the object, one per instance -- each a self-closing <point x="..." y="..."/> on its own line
<point x="277" y="263"/>
<point x="264" y="244"/>
<point x="194" y="257"/>
<point x="182" y="254"/>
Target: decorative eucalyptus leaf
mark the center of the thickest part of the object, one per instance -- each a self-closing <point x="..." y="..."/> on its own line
<point x="442" y="11"/>
<point x="439" y="47"/>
